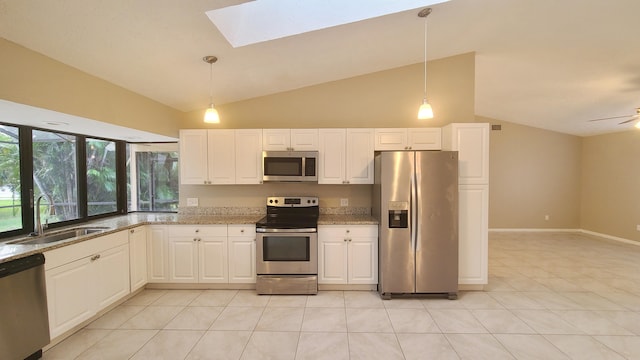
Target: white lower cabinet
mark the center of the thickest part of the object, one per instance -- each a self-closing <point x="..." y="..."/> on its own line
<point x="473" y="234"/>
<point x="198" y="253"/>
<point x="242" y="253"/>
<point x="203" y="254"/>
<point x="348" y="254"/>
<point x="157" y="254"/>
<point x="138" y="257"/>
<point x="84" y="278"/>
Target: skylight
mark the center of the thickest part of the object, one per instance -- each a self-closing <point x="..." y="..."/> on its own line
<point x="263" y="20"/>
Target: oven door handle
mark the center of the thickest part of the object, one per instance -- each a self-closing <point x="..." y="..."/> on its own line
<point x="300" y="230"/>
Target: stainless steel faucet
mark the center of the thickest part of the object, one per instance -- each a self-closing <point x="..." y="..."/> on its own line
<point x="39" y="228"/>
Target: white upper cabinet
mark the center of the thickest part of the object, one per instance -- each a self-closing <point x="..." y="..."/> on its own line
<point x="345" y="156"/>
<point x="248" y="161"/>
<point x="193" y="157"/>
<point x="408" y="139"/>
<point x="222" y="156"/>
<point x="290" y="139"/>
<point x="471" y="140"/>
<point x="359" y="156"/>
<point x="332" y="156"/>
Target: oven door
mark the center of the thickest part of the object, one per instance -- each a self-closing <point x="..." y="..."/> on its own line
<point x="286" y="253"/>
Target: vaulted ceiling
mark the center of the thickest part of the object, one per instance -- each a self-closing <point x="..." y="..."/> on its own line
<point x="544" y="63"/>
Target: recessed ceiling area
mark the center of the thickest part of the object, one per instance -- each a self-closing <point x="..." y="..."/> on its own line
<point x="543" y="63"/>
<point x="257" y="21"/>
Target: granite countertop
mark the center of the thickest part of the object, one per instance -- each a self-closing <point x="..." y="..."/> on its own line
<point x="10" y="251"/>
<point x="346" y="219"/>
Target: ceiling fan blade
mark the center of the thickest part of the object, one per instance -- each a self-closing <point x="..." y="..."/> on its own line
<point x="633" y="118"/>
<point x="610" y="118"/>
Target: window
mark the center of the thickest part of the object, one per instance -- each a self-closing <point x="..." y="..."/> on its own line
<point x="102" y="184"/>
<point x="153" y="177"/>
<point x="55" y="174"/>
<point x="10" y="200"/>
<point x="86" y="177"/>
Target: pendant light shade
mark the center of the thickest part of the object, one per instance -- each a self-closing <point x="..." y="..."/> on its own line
<point x="211" y="116"/>
<point x="425" y="111"/>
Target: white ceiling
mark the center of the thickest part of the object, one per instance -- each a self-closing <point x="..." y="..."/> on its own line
<point x="544" y="63"/>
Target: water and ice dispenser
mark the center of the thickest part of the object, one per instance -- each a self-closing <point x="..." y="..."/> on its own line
<point x="398" y="214"/>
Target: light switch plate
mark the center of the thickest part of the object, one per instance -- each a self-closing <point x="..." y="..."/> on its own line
<point x="192" y="201"/>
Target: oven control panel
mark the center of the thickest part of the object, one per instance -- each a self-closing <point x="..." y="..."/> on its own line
<point x="292" y="201"/>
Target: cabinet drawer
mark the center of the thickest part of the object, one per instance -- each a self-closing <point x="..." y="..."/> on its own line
<point x="202" y="230"/>
<point x="340" y="231"/>
<point x="241" y="230"/>
<point x="67" y="254"/>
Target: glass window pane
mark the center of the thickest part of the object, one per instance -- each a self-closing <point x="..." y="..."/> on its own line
<point x="157" y="181"/>
<point x="54" y="174"/>
<point x="101" y="177"/>
<point x="10" y="204"/>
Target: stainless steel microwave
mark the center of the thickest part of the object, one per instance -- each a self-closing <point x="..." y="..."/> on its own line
<point x="290" y="166"/>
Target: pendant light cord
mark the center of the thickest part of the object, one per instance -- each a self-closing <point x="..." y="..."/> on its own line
<point x="425" y="57"/>
<point x="210" y="84"/>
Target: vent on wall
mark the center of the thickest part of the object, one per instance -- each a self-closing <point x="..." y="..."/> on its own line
<point x="496" y="127"/>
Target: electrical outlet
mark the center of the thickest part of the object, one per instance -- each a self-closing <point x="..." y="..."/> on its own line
<point x="344" y="202"/>
<point x="546" y="217"/>
<point x="192" y="201"/>
<point x="638" y="227"/>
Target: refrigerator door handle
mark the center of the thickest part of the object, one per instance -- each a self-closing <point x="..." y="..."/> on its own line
<point x="414" y="207"/>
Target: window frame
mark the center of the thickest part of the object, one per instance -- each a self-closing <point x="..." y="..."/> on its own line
<point x="27" y="186"/>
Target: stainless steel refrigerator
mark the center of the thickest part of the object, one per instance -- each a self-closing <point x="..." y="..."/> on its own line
<point x="415" y="200"/>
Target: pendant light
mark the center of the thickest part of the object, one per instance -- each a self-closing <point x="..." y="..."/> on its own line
<point x="425" y="111"/>
<point x="211" y="116"/>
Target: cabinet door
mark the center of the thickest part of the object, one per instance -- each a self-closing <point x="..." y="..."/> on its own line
<point x="138" y="257"/>
<point x="248" y="145"/>
<point x="363" y="260"/>
<point x="157" y="254"/>
<point x="332" y="156"/>
<point x="183" y="259"/>
<point x="390" y="139"/>
<point x="276" y="139"/>
<point x="193" y="157"/>
<point x="360" y="155"/>
<point x="332" y="255"/>
<point x="70" y="299"/>
<point x="472" y="143"/>
<point x="424" y="138"/>
<point x="304" y="139"/>
<point x="213" y="259"/>
<point x="112" y="275"/>
<point x="242" y="259"/>
<point x="473" y="234"/>
<point x="221" y="156"/>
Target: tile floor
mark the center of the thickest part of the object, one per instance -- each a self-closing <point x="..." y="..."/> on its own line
<point x="550" y="296"/>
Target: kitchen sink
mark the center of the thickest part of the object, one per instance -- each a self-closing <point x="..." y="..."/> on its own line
<point x="59" y="236"/>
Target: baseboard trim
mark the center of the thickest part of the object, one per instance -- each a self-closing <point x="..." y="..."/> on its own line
<point x="610" y="237"/>
<point x="533" y="230"/>
<point x="579" y="231"/>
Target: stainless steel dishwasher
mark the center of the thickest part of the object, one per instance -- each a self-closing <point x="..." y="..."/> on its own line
<point x="24" y="324"/>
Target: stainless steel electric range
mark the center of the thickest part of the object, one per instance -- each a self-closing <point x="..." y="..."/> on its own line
<point x="287" y="246"/>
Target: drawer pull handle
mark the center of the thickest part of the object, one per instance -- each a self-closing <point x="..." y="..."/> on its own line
<point x="95" y="257"/>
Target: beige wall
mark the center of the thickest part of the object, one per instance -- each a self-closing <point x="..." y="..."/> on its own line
<point x="383" y="99"/>
<point x="31" y="78"/>
<point x="533" y="173"/>
<point x="610" y="184"/>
